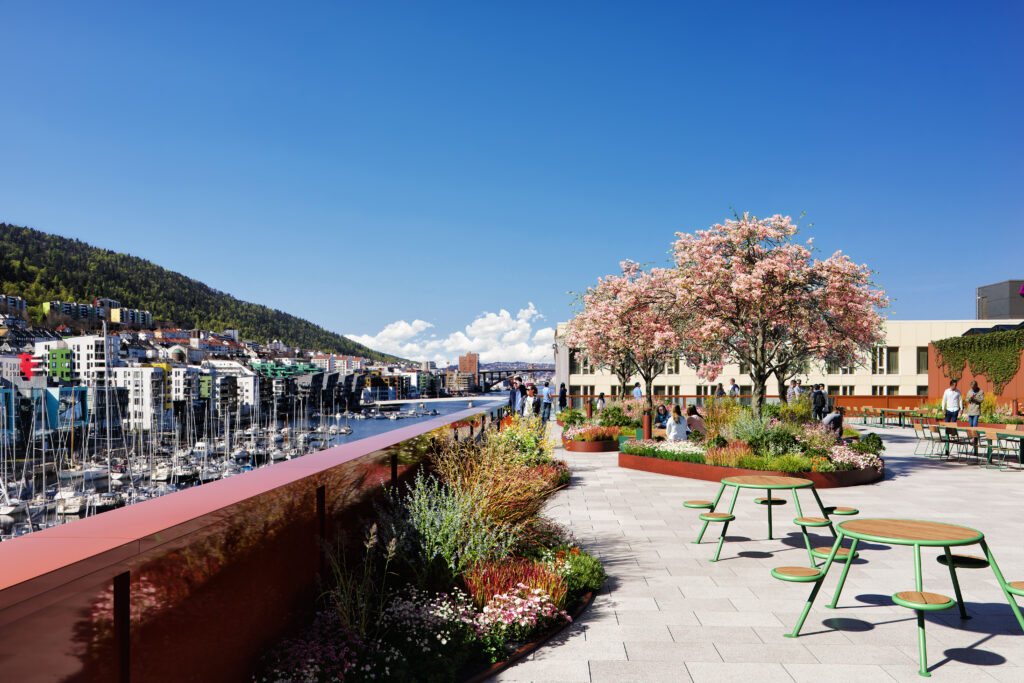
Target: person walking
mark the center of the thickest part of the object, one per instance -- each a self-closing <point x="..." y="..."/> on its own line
<point x="545" y="402"/>
<point x="791" y="393"/>
<point x="675" y="427"/>
<point x="637" y="391"/>
<point x="975" y="397"/>
<point x="563" y="398"/>
<point x="600" y="402"/>
<point x="818" y="402"/>
<point x="531" y="402"/>
<point x="734" y="389"/>
<point x="952" y="402"/>
<point x="719" y="390"/>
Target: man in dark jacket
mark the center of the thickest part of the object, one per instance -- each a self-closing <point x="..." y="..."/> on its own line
<point x="513" y="392"/>
<point x="818" y="401"/>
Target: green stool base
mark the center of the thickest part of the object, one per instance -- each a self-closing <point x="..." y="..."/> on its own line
<point x="811" y="521"/>
<point x="839" y="510"/>
<point x="698" y="504"/>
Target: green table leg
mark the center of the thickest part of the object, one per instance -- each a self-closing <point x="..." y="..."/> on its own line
<point x="956" y="584"/>
<point x="846" y="570"/>
<point x="769" y="491"/>
<point x="1002" y="584"/>
<point x="922" y="650"/>
<point x="713" y="506"/>
<point x="803" y="529"/>
<point x="823" y="513"/>
<point x="814" y="592"/>
<point x="725" y="526"/>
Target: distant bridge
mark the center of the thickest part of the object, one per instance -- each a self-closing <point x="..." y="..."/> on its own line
<point x="488" y="378"/>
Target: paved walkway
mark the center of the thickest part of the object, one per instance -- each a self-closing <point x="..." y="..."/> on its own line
<point x="668" y="614"/>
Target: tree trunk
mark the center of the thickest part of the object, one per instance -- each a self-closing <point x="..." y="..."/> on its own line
<point x="782" y="389"/>
<point x="760" y="389"/>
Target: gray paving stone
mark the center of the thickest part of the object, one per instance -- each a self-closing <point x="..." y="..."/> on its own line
<point x="736" y="612"/>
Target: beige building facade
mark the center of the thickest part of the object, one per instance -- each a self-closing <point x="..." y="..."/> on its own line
<point x="899" y="367"/>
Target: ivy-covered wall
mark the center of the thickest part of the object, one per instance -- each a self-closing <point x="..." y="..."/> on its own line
<point x="994" y="359"/>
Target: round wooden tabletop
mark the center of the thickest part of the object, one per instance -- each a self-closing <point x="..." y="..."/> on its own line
<point x="910" y="532"/>
<point x="768" y="481"/>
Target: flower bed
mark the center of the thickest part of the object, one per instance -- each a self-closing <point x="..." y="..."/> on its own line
<point x="591" y="439"/>
<point x="744" y="444"/>
<point x="822" y="480"/>
<point x="458" y="571"/>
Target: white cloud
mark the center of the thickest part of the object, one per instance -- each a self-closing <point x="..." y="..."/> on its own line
<point x="495" y="336"/>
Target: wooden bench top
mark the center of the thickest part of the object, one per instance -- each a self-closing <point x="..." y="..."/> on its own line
<point x="923" y="598"/>
<point x="767" y="481"/>
<point x="797" y="571"/>
<point x="909" y="531"/>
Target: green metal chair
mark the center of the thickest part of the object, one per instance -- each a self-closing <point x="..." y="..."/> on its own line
<point x="1009" y="447"/>
<point x="801" y="575"/>
<point x="924" y="446"/>
<point x="922" y="602"/>
<point x="718" y="517"/>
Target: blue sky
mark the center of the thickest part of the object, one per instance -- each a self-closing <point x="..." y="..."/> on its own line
<point x="439" y="167"/>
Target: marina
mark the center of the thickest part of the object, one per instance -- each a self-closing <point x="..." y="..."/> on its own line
<point x="60" y="482"/>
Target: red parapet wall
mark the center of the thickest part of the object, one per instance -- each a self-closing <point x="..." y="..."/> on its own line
<point x="213" y="575"/>
<point x="892" y="402"/>
<point x="938" y="380"/>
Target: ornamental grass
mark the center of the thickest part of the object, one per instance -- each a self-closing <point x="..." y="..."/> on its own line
<point x="488" y="579"/>
<point x="728" y="456"/>
<point x="510" y="493"/>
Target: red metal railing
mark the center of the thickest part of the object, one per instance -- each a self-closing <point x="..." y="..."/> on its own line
<point x="195" y="585"/>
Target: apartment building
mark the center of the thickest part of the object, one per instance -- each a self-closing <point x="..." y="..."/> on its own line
<point x="247" y="381"/>
<point x="899" y="366"/>
<point x="147" y="402"/>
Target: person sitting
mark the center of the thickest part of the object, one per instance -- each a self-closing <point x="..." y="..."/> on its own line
<point x="695" y="422"/>
<point x="675" y="428"/>
<point x="660" y="416"/>
<point x="834" y="421"/>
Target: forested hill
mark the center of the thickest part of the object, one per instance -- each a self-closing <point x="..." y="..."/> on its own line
<point x="43" y="267"/>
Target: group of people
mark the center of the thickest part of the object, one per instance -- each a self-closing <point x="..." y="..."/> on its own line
<point x="953" y="402"/>
<point x="734" y="389"/>
<point x="524" y="398"/>
<point x="676" y="427"/>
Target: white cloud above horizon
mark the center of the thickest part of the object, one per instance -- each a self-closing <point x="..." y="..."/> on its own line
<point x="499" y="336"/>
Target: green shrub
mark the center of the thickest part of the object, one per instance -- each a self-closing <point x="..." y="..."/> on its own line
<point x="770" y="410"/>
<point x="749" y="427"/>
<point x="754" y="462"/>
<point x="778" y="441"/>
<point x="572" y="417"/>
<point x="792" y="463"/>
<point x="441" y="532"/>
<point x="798" y="410"/>
<point x="869" y="443"/>
<point x="718" y="442"/>
<point x="584" y="573"/>
<point x="850" y="432"/>
<point x="614" y="416"/>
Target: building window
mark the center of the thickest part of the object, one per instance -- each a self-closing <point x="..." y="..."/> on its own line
<point x="922" y="389"/>
<point x="885" y="360"/>
<point x="922" y="360"/>
<point x="834" y="368"/>
<point x="892" y="390"/>
<point x="832" y="389"/>
<point x="744" y="368"/>
<point x="672" y="366"/>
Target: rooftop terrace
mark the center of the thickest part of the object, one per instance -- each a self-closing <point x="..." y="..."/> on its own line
<point x="669" y="614"/>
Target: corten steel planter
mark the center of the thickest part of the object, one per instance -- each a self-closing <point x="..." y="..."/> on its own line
<point x="692" y="470"/>
<point x="591" y="446"/>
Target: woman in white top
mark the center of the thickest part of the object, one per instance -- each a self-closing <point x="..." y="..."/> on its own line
<point x="675" y="427"/>
<point x="600" y="402"/>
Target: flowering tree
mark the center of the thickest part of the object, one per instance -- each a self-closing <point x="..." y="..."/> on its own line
<point x="630" y="323"/>
<point x="756" y="297"/>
